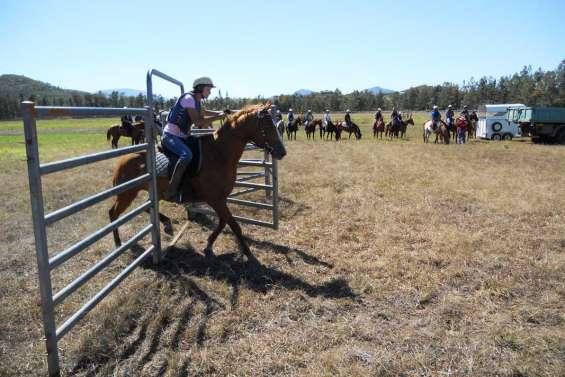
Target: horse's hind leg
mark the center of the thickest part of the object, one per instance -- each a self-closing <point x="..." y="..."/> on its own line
<point x="166" y="221"/>
<point x="123" y="201"/>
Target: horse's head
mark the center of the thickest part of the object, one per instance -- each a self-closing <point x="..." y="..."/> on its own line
<point x="258" y="128"/>
<point x="410" y="120"/>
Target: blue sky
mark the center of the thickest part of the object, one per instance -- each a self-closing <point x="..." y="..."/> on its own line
<point x="258" y="47"/>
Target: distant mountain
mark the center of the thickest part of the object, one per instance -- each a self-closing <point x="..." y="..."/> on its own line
<point x="127" y="92"/>
<point x="378" y="89"/>
<point x="24" y="87"/>
<point x="304" y="92"/>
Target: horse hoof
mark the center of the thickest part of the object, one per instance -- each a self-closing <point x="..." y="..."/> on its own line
<point x="209" y="253"/>
<point x="168" y="229"/>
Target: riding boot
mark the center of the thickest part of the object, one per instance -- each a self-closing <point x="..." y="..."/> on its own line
<point x="173" y="193"/>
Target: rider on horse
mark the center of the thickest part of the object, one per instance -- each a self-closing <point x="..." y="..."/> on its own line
<point x="327" y="118"/>
<point x="274" y="113"/>
<point x="449" y="115"/>
<point x="186" y="112"/>
<point x="126" y="121"/>
<point x="436" y="117"/>
<point x="290" y="115"/>
<point x="379" y="115"/>
<point x="348" y="118"/>
<point x="465" y="113"/>
<point x="308" y="118"/>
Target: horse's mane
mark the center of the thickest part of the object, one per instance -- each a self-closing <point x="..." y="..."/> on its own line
<point x="242" y="115"/>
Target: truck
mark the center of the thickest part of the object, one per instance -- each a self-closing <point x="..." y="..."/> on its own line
<point x="494" y="123"/>
<point x="543" y="124"/>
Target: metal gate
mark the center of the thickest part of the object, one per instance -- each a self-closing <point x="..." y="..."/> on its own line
<point x="46" y="265"/>
<point x="267" y="173"/>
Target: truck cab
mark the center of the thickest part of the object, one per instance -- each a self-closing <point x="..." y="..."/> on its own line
<point x="494" y="123"/>
<point x="543" y="124"/>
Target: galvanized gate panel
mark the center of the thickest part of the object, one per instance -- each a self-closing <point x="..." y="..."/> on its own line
<point x="40" y="220"/>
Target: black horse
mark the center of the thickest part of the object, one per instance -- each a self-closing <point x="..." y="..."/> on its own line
<point x="292" y="127"/>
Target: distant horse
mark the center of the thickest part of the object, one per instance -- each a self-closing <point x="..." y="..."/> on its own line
<point x="216" y="178"/>
<point x="472" y="126"/>
<point x="311" y="128"/>
<point x="280" y="127"/>
<point x="441" y="132"/>
<point x="353" y="129"/>
<point x="329" y="130"/>
<point x="378" y="128"/>
<point x="404" y="125"/>
<point x="133" y="130"/>
<point x="292" y="127"/>
<point x="451" y="127"/>
<point x="393" y="128"/>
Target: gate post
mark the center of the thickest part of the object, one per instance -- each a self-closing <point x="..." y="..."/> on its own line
<point x="268" y="172"/>
<point x="36" y="196"/>
<point x="153" y="193"/>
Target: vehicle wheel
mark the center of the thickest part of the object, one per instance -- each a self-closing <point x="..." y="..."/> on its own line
<point x="496" y="137"/>
<point x="496" y="127"/>
<point x="561" y="137"/>
<point x="507" y="137"/>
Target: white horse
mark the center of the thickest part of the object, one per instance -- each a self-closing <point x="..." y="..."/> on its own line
<point x="280" y="127"/>
<point x="440" y="131"/>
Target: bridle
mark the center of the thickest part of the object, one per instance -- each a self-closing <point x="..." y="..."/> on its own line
<point x="260" y="116"/>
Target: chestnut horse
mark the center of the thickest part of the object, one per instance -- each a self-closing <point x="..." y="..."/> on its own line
<point x="133" y="130"/>
<point x="215" y="181"/>
<point x="311" y="128"/>
<point x="378" y="127"/>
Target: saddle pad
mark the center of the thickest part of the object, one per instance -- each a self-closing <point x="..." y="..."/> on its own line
<point x="165" y="162"/>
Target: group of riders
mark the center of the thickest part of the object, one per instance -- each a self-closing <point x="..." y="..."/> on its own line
<point x="309" y="117"/>
<point x="187" y="111"/>
<point x="465" y="119"/>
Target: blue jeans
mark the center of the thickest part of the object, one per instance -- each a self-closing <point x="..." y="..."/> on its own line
<point x="177" y="145"/>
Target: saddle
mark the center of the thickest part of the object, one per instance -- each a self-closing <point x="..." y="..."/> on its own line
<point x="166" y="160"/>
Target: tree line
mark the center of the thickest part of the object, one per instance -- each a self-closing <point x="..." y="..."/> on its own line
<point x="531" y="87"/>
<point x="10" y="103"/>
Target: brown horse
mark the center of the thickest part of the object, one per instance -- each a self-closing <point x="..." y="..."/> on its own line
<point x="378" y="128"/>
<point x="133" y="130"/>
<point x="221" y="153"/>
<point x="292" y="127"/>
<point x="311" y="128"/>
<point x="353" y="129"/>
<point x="404" y="125"/>
<point x="472" y="126"/>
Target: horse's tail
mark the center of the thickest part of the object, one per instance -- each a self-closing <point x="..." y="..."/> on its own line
<point x="109" y="133"/>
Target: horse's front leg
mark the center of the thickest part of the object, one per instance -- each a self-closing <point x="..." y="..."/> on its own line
<point x="226" y="217"/>
<point x="222" y="211"/>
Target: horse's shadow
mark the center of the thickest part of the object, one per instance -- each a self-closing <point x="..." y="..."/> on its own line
<point x="181" y="268"/>
<point x="237" y="270"/>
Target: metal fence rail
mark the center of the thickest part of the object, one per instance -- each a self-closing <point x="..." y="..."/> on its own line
<point x="269" y="176"/>
<point x="40" y="220"/>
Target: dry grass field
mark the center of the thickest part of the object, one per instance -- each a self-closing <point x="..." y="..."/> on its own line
<point x="392" y="258"/>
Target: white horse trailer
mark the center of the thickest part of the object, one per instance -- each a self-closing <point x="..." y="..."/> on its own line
<point x="493" y="124"/>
